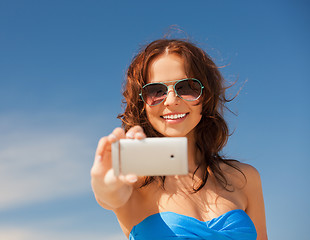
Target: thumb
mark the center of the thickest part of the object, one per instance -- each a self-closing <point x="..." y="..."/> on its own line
<point x="129" y="178"/>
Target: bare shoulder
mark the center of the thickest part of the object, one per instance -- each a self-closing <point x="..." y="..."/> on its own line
<point x="252" y="188"/>
<point x="252" y="177"/>
<point x="247" y="169"/>
<point x="241" y="175"/>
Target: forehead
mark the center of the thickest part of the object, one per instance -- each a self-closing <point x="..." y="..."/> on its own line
<point x="166" y="67"/>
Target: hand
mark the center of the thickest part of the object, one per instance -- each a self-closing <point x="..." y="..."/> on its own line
<point x="112" y="191"/>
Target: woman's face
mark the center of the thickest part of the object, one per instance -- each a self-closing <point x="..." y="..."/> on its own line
<point x="174" y="117"/>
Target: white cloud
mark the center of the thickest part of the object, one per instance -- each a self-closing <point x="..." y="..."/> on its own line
<point x="40" y="163"/>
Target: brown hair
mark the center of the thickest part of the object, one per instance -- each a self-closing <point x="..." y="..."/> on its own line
<point x="211" y="133"/>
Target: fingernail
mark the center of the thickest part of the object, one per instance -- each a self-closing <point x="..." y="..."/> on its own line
<point x="131" y="178"/>
<point x="139" y="135"/>
<point x="112" y="136"/>
<point x="129" y="135"/>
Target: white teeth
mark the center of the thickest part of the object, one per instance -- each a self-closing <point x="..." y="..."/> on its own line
<point x="175" y="116"/>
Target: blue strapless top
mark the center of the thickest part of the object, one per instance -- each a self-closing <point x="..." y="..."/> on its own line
<point x="233" y="225"/>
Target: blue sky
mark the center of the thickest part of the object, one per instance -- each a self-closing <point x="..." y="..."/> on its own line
<point x="62" y="65"/>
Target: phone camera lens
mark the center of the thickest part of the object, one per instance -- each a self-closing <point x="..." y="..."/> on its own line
<point x="171" y="156"/>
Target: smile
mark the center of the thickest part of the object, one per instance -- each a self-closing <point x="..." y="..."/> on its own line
<point x="174" y="116"/>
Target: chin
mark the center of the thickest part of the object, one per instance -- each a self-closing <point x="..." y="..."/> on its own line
<point x="174" y="133"/>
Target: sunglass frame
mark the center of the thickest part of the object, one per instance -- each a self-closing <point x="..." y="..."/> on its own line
<point x="176" y="82"/>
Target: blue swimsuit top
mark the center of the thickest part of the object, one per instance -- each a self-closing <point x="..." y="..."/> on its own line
<point x="233" y="225"/>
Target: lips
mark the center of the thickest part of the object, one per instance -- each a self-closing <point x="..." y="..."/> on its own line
<point x="174" y="116"/>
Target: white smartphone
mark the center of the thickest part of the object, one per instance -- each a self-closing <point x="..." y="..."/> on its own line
<point x="160" y="156"/>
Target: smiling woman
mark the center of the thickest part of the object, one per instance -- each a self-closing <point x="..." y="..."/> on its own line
<point x="175" y="117"/>
<point x="174" y="89"/>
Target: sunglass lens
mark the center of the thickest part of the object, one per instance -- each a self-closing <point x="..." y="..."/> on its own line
<point x="153" y="94"/>
<point x="189" y="89"/>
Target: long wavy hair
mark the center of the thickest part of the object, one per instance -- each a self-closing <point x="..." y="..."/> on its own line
<point x="211" y="133"/>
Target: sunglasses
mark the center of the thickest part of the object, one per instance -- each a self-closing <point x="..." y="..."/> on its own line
<point x="189" y="89"/>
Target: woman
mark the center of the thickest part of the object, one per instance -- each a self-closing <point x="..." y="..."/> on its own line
<point x="219" y="198"/>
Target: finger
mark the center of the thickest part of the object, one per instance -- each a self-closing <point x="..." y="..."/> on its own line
<point x="135" y="132"/>
<point x="99" y="166"/>
<point x="102" y="162"/>
<point x="102" y="145"/>
<point x="105" y="142"/>
<point x="140" y="135"/>
<point x="118" y="133"/>
<point x="129" y="179"/>
<point x="111" y="180"/>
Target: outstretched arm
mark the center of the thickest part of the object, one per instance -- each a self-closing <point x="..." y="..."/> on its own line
<point x="112" y="192"/>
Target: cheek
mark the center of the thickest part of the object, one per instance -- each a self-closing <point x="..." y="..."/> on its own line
<point x="197" y="113"/>
<point x="195" y="106"/>
<point x="148" y="111"/>
<point x="151" y="113"/>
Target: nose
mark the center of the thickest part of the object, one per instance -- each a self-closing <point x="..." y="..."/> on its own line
<point x="172" y="97"/>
